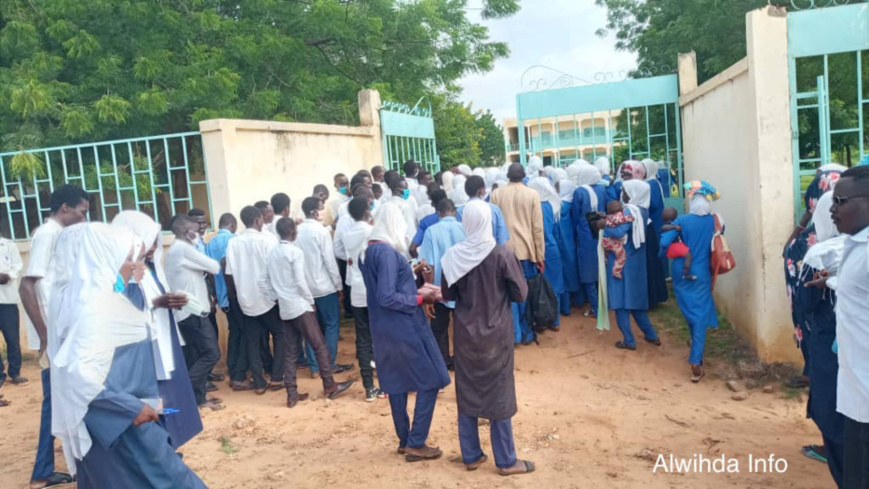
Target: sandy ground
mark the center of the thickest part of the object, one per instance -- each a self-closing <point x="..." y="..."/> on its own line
<point x="587" y="413"/>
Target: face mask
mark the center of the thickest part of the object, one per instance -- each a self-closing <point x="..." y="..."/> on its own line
<point x="371" y="207"/>
<point x="119" y="284"/>
<point x="406" y="194"/>
<point x="342" y="190"/>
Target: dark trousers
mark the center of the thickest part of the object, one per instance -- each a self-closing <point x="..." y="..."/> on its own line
<point x="440" y="326"/>
<point x="44" y="465"/>
<point x="329" y="316"/>
<point x="201" y="352"/>
<point x="265" y="351"/>
<point x="9" y="328"/>
<point x="364" y="346"/>
<point x="212" y="318"/>
<point x="254" y="327"/>
<point x="305" y="326"/>
<point x="342" y="270"/>
<point x="502" y="441"/>
<point x="834" y="450"/>
<point x="236" y="345"/>
<point x="856" y="464"/>
<point x="415" y="436"/>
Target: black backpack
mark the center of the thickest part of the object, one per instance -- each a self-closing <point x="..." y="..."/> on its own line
<point x="542" y="306"/>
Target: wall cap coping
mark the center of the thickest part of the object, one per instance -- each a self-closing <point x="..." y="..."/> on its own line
<point x="214" y="125"/>
<point x="725" y="76"/>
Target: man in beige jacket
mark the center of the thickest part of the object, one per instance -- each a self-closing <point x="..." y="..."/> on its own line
<point x="523" y="215"/>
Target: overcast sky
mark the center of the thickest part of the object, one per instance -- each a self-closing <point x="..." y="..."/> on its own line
<point x="555" y="33"/>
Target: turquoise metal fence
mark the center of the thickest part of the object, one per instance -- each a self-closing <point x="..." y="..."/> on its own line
<point x="631" y="119"/>
<point x="408" y="134"/>
<point x="158" y="175"/>
<point x="828" y="64"/>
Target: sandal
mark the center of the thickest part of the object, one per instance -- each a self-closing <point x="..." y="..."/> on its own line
<point x="815" y="452"/>
<point x="476" y="465"/>
<point x="527" y="467"/>
<point x="4" y="402"/>
<point x="695" y="377"/>
<point x="622" y="346"/>
<point x="656" y="342"/>
<point x="57" y="479"/>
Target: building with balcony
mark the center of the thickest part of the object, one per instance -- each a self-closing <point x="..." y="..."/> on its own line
<point x="561" y="140"/>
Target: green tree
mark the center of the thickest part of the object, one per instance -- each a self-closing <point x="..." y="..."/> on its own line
<point x="85" y="70"/>
<point x="491" y="141"/>
<point x="458" y="136"/>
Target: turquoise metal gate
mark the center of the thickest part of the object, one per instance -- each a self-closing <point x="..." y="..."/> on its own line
<point x="408" y="134"/>
<point x="630" y="119"/>
<point x="158" y="175"/>
<point x="828" y="63"/>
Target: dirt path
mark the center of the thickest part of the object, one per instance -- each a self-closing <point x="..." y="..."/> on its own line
<point x="586" y="411"/>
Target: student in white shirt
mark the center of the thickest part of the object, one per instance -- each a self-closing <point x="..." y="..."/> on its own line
<point x="324" y="280"/>
<point x="281" y="208"/>
<point x="10" y="269"/>
<point x="268" y="213"/>
<point x="185" y="269"/>
<point x="401" y="196"/>
<point x="355" y="242"/>
<point x="69" y="206"/>
<point x="284" y="281"/>
<point x="342" y="186"/>
<point x="411" y="173"/>
<point x="850" y="211"/>
<point x="360" y="184"/>
<point x="246" y="261"/>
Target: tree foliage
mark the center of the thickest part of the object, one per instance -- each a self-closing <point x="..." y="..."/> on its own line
<point x="493" y="152"/>
<point x="658" y="30"/>
<point x="465" y="136"/>
<point x="85" y="70"/>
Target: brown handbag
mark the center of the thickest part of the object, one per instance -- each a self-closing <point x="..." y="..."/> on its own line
<point x="721" y="259"/>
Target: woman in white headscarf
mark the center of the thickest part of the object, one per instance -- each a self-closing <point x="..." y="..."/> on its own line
<point x="693" y="289"/>
<point x="574" y="168"/>
<point x="105" y="370"/>
<point x="534" y="167"/>
<point x="629" y="296"/>
<point x="458" y="195"/>
<point x="173" y="378"/>
<point x="407" y="355"/>
<point x="551" y="205"/>
<point x="655" y="209"/>
<point x="817" y="307"/>
<point x="566" y="237"/>
<point x="603" y="166"/>
<point x="464" y="170"/>
<point x="492" y="175"/>
<point x="589" y="197"/>
<point x="483" y="279"/>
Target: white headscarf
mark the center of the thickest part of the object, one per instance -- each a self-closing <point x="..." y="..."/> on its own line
<point x="547" y="194"/>
<point x="458" y="195"/>
<point x="479" y="172"/>
<point x="464" y="170"/>
<point x="535" y="164"/>
<point x="101" y="321"/>
<point x="492" y="175"/>
<point x="566" y="187"/>
<point x="603" y="166"/>
<point x="573" y="170"/>
<point x="651" y="168"/>
<point x="66" y="250"/>
<point x="826" y="253"/>
<point x="639" y="192"/>
<point x="832" y="167"/>
<point x="479" y="242"/>
<point x="824" y="226"/>
<point x="391" y="227"/>
<point x="588" y="176"/>
<point x="700" y="206"/>
<point x="149" y="232"/>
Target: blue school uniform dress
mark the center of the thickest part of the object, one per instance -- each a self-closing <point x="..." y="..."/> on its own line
<point x="664" y="179"/>
<point x="586" y="244"/>
<point x="657" y="279"/>
<point x="694" y="297"/>
<point x="553" y="272"/>
<point x="629" y="296"/>
<point x="567" y="247"/>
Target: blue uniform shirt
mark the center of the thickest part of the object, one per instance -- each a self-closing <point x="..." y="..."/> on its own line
<point x="499" y="227"/>
<point x="216" y="250"/>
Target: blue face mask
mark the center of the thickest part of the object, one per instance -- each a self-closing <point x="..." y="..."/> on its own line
<point x="119" y="284"/>
<point x="342" y="190"/>
<point x="406" y="194"/>
<point x="371" y="207"/>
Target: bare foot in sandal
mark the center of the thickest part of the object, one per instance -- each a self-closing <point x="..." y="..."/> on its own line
<point x="521" y="467"/>
<point x="476" y="465"/>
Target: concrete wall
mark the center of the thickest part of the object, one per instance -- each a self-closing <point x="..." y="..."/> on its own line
<point x="248" y="161"/>
<point x="736" y="135"/>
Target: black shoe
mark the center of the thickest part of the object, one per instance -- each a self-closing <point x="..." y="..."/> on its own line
<point x="342" y="367"/>
<point x="338" y="389"/>
<point x="348" y="315"/>
<point x="216" y="377"/>
<point x="210" y="387"/>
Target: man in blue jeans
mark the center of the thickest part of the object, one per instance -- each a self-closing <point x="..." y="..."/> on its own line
<point x="69" y="206"/>
<point x="324" y="280"/>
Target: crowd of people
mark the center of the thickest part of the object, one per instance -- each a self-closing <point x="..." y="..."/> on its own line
<point x="827" y="277"/>
<point x="129" y="340"/>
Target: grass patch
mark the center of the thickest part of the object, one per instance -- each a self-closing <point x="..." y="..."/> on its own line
<point x="731" y="356"/>
<point x="226" y="445"/>
<point x="791" y="393"/>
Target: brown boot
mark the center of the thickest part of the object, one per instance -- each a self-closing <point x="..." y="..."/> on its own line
<point x="293" y="398"/>
<point x="424" y="453"/>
